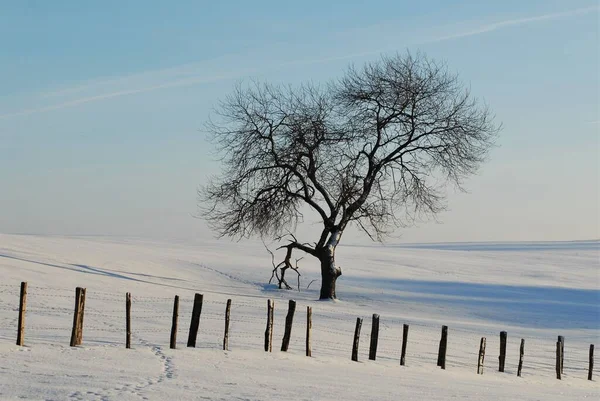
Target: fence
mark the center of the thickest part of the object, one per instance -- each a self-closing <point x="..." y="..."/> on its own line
<point x="112" y="318"/>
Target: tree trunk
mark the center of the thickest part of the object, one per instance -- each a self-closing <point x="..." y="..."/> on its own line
<point x="329" y="274"/>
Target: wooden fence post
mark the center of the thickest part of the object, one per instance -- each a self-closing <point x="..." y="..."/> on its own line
<point x="289" y="320"/>
<point x="73" y="342"/>
<point x="591" y="363"/>
<point x="22" y="308"/>
<point x="77" y="331"/>
<point x="269" y="329"/>
<point x="481" y="356"/>
<point x="308" y="330"/>
<point x="558" y="358"/>
<point x="356" y="339"/>
<point x="441" y="362"/>
<point x="80" y="319"/>
<point x="404" y="341"/>
<point x="128" y="320"/>
<point x="173" y="342"/>
<point x="195" y="322"/>
<point x="272" y="324"/>
<point x="562" y="353"/>
<point x="374" y="337"/>
<point x="521" y="353"/>
<point x="227" y="317"/>
<point x="502" y="357"/>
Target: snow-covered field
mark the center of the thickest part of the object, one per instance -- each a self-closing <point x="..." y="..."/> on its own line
<point x="534" y="291"/>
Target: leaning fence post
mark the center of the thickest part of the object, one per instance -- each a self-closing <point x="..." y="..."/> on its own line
<point x="195" y="322"/>
<point x="356" y="339"/>
<point x="173" y="343"/>
<point x="289" y="320"/>
<point x="502" y="357"/>
<point x="308" y="330"/>
<point x="591" y="363"/>
<point x="226" y="335"/>
<point x="521" y="353"/>
<point x="269" y="329"/>
<point x="128" y="320"/>
<point x="558" y="358"/>
<point x="374" y="337"/>
<point x="77" y="331"/>
<point x="22" y="308"/>
<point x="441" y="362"/>
<point x="404" y="341"/>
<point x="481" y="356"/>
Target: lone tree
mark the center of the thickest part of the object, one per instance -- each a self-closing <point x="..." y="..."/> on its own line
<point x="375" y="149"/>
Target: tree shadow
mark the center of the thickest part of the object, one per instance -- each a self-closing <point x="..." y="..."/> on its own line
<point x="76" y="268"/>
<point x="586" y="245"/>
<point x="95" y="270"/>
<point x="528" y="306"/>
<point x="115" y="274"/>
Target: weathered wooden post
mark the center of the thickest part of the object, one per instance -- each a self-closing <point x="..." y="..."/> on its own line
<point x="289" y="320"/>
<point x="22" y="308"/>
<point x="195" y="322"/>
<point x="77" y="331"/>
<point x="173" y="342"/>
<point x="562" y="353"/>
<point x="441" y="362"/>
<point x="558" y="359"/>
<point x="404" y="341"/>
<point x="269" y="329"/>
<point x="308" y="330"/>
<point x="80" y="319"/>
<point x="356" y="339"/>
<point x="226" y="335"/>
<point x="521" y="353"/>
<point x="73" y="341"/>
<point x="374" y="337"/>
<point x="481" y="356"/>
<point x="272" y="324"/>
<point x="502" y="357"/>
<point x="128" y="320"/>
<point x="591" y="362"/>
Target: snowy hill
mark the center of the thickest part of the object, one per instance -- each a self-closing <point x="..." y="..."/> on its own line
<point x="534" y="291"/>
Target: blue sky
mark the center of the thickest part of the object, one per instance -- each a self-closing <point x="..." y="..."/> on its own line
<point x="102" y="105"/>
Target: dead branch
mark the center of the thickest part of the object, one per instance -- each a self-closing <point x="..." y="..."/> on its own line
<point x="279" y="269"/>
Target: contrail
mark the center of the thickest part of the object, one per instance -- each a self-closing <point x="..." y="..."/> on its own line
<point x="172" y="84"/>
<point x="200" y="80"/>
<point x="519" y="21"/>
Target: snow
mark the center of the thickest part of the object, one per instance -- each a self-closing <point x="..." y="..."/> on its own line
<point x="535" y="291"/>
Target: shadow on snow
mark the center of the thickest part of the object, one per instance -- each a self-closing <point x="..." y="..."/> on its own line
<point x="530" y="306"/>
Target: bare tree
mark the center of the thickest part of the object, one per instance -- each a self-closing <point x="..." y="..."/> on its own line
<point x="376" y="149"/>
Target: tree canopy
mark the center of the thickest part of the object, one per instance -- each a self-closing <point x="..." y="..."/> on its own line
<point x="376" y="148"/>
